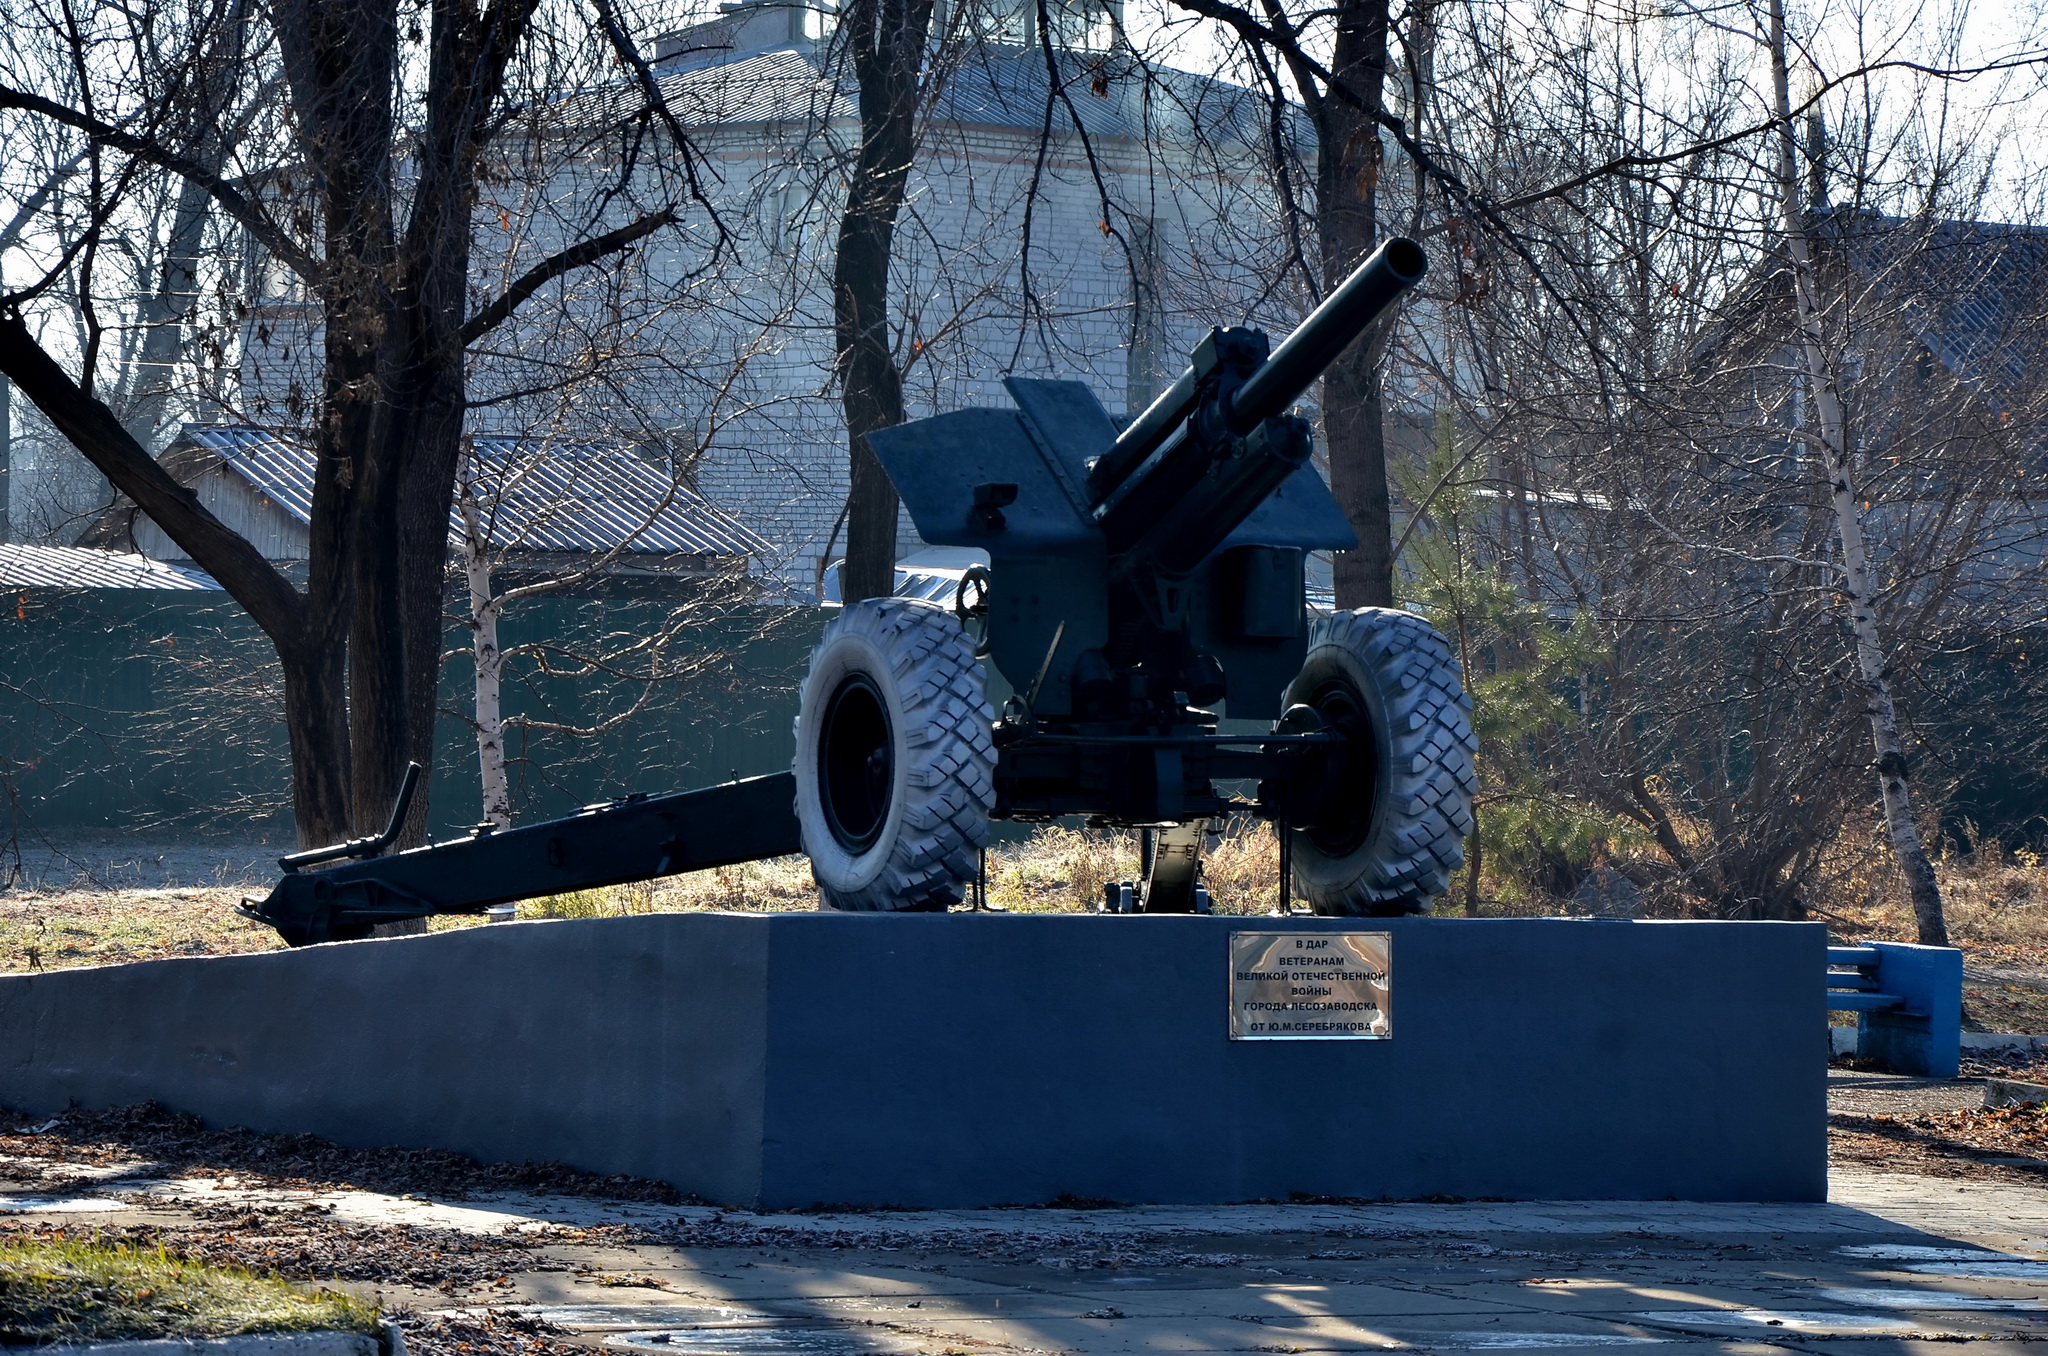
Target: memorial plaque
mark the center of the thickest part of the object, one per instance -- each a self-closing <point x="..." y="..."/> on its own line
<point x="1310" y="986"/>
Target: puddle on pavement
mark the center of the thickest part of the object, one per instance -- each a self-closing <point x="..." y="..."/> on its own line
<point x="744" y="1342"/>
<point x="1502" y="1341"/>
<point x="1927" y="1299"/>
<point x="1916" y="1252"/>
<point x="1791" y="1320"/>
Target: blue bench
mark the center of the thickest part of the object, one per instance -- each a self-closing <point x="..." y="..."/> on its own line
<point x="1908" y="1002"/>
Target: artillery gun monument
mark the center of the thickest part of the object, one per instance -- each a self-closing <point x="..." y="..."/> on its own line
<point x="1136" y="579"/>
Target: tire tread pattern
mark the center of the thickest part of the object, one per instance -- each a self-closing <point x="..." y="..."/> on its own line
<point x="949" y="782"/>
<point x="1429" y="800"/>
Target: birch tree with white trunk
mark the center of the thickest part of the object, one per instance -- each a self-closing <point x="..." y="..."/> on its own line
<point x="488" y="660"/>
<point x="1855" y="582"/>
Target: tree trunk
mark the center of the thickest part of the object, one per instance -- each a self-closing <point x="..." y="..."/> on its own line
<point x="490" y="680"/>
<point x="162" y="314"/>
<point x="886" y="40"/>
<point x="360" y="646"/>
<point x="1858" y="592"/>
<point x="316" y="726"/>
<point x="1347" y="210"/>
<point x="6" y="460"/>
<point x="487" y="659"/>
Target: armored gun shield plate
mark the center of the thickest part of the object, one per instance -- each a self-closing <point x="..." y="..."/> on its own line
<point x="936" y="464"/>
<point x="1301" y="513"/>
<point x="1069" y="426"/>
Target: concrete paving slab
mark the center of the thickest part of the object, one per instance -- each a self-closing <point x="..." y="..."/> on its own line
<point x="1792" y="1322"/>
<point x="757" y="1342"/>
<point x="1016" y="1305"/>
<point x="1890" y="1264"/>
<point x="1112" y="1334"/>
<point x="1479" y="1333"/>
<point x="1993" y="1269"/>
<point x="1929" y="1301"/>
<point x="1284" y="1301"/>
<point x="736" y="1284"/>
<point x="1609" y="1295"/>
<point x="1919" y="1346"/>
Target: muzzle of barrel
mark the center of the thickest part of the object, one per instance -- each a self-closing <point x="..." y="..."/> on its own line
<point x="1371" y="290"/>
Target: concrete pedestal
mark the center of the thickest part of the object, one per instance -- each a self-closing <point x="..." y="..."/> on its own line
<point x="780" y="1060"/>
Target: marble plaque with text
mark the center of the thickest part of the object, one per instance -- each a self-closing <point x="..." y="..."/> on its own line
<point x="1295" y="986"/>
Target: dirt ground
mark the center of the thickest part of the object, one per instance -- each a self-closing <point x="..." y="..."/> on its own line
<point x="1931" y="1242"/>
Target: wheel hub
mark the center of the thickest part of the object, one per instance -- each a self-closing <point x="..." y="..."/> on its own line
<point x="856" y="763"/>
<point x="1334" y="799"/>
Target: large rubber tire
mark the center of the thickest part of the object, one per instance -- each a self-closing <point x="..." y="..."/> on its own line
<point x="1396" y="827"/>
<point x="895" y="759"/>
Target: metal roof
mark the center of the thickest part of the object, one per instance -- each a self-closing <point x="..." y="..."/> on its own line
<point x="81" y="567"/>
<point x="1974" y="292"/>
<point x="537" y="495"/>
<point x="1111" y="95"/>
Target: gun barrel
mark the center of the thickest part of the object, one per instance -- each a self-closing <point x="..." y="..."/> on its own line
<point x="1144" y="435"/>
<point x="1200" y="520"/>
<point x="1345" y="314"/>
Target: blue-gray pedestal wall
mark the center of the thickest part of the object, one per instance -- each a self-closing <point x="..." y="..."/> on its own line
<point x="780" y="1060"/>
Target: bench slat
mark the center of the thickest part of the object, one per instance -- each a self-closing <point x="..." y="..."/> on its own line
<point x="1863" y="1002"/>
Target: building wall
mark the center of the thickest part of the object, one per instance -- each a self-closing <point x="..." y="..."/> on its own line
<point x="724" y="365"/>
<point x="264" y="525"/>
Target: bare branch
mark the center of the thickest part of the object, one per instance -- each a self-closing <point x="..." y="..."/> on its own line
<point x="231" y="199"/>
<point x="567" y="261"/>
<point x="94" y="430"/>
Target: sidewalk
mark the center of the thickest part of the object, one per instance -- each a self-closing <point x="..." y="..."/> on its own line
<point x="1890" y="1264"/>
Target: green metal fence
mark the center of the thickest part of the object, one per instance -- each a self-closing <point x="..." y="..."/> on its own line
<point x="137" y="711"/>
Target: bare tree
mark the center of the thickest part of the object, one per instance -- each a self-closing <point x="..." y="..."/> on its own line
<point x="371" y="205"/>
<point x="1619" y="369"/>
<point x="1857" y="588"/>
<point x="887" y="43"/>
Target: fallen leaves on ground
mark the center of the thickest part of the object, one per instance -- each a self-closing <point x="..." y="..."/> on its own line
<point x="172" y="1143"/>
<point x="491" y="1332"/>
<point x="2027" y="1066"/>
<point x="1946" y="1143"/>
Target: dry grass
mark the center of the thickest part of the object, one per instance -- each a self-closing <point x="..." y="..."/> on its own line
<point x="1055" y="870"/>
<point x="1995" y="901"/>
<point x="51" y="930"/>
<point x="83" y="1291"/>
<point x="1997" y="905"/>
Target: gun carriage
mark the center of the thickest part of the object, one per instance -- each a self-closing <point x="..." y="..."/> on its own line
<point x="1138" y="579"/>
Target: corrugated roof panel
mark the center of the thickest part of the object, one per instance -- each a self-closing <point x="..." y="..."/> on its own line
<point x="998" y="87"/>
<point x="1973" y="290"/>
<point x="81" y="567"/>
<point x="537" y="495"/>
